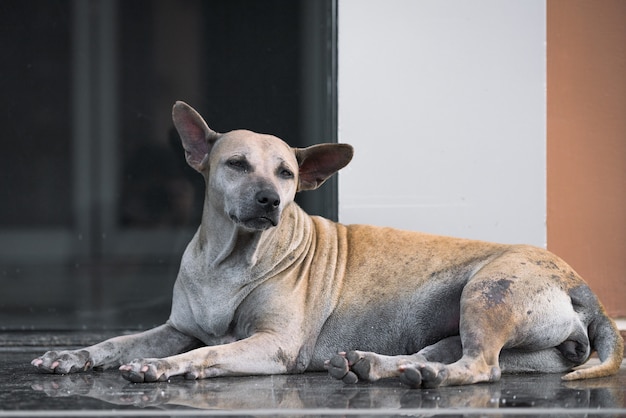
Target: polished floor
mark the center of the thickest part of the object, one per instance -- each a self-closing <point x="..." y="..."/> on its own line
<point x="26" y="392"/>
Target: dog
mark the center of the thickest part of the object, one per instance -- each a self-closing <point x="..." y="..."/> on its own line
<point x="264" y="288"/>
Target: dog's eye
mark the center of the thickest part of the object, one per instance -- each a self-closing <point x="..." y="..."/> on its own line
<point x="238" y="164"/>
<point x="285" y="173"/>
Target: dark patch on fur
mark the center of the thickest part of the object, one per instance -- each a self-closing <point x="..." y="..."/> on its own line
<point x="284" y="358"/>
<point x="495" y="292"/>
<point x="582" y="297"/>
<point x="547" y="264"/>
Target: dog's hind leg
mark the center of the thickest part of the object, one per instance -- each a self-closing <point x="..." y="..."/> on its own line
<point x="444" y="351"/>
<point x="486" y="325"/>
<point x="475" y="366"/>
<point x="353" y="366"/>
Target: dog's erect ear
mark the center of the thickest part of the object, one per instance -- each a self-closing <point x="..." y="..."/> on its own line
<point x="196" y="136"/>
<point x="319" y="162"/>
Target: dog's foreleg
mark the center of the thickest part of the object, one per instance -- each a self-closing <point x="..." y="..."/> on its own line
<point x="157" y="342"/>
<point x="260" y="354"/>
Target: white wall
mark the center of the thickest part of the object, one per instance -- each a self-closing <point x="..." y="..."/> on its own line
<point x="444" y="101"/>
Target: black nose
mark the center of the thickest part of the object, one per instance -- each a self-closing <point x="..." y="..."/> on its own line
<point x="268" y="199"/>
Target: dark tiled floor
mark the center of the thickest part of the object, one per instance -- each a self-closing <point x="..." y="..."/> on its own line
<point x="25" y="392"/>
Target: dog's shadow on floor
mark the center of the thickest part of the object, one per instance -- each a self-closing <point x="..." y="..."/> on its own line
<point x="317" y="390"/>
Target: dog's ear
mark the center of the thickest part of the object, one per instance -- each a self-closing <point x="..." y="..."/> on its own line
<point x="197" y="137"/>
<point x="319" y="162"/>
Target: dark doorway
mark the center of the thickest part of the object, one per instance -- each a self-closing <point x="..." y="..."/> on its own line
<point x="98" y="202"/>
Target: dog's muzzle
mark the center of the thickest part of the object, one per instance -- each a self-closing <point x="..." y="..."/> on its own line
<point x="264" y="212"/>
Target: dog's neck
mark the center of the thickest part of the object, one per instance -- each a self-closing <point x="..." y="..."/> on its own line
<point x="227" y="245"/>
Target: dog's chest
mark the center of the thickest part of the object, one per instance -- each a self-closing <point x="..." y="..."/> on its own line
<point x="204" y="304"/>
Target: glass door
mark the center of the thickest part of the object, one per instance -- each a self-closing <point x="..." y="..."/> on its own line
<point x="97" y="200"/>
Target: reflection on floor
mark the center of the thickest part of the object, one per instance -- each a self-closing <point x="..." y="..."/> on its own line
<point x="25" y="392"/>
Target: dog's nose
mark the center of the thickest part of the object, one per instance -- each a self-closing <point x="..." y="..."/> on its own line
<point x="268" y="199"/>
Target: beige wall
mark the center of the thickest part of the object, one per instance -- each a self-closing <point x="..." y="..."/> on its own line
<point x="444" y="102"/>
<point x="586" y="143"/>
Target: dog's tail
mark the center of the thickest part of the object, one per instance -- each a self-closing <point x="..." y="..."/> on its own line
<point x="607" y="342"/>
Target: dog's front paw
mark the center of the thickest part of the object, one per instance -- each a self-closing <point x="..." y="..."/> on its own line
<point x="63" y="362"/>
<point x="146" y="370"/>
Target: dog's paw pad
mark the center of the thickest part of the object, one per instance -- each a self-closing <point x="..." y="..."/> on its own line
<point x="410" y="376"/>
<point x="192" y="376"/>
<point x="338" y="367"/>
<point x="433" y="376"/>
<point x="359" y="365"/>
<point x="350" y="378"/>
<point x="353" y="357"/>
<point x="132" y="376"/>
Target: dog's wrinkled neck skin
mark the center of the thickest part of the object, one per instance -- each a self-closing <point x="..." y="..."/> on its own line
<point x="229" y="263"/>
<point x="220" y="241"/>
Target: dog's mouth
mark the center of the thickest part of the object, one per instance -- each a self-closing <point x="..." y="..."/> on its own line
<point x="257" y="223"/>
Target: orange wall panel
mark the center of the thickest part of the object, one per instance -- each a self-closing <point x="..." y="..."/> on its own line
<point x="586" y="140"/>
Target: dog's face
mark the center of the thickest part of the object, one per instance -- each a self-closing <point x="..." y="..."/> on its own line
<point x="252" y="177"/>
